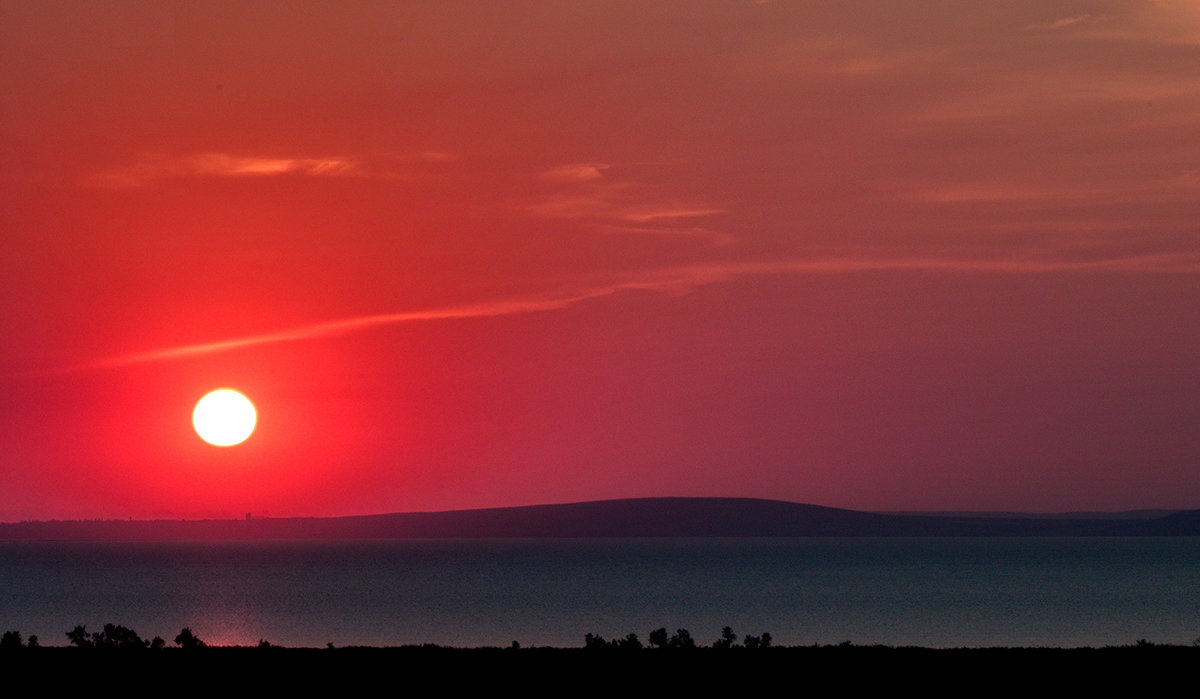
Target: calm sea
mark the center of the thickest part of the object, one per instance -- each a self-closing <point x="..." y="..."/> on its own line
<point x="930" y="592"/>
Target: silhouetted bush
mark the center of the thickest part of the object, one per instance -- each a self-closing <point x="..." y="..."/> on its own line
<point x="682" y="639"/>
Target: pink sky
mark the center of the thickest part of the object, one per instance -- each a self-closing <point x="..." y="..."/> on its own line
<point x="907" y="255"/>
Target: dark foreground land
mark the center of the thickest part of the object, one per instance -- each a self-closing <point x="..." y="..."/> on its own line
<point x="776" y="671"/>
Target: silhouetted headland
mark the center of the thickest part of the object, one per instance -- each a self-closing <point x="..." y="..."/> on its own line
<point x="642" y="517"/>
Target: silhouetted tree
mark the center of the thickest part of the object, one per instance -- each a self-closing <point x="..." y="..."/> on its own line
<point x="32" y="642"/>
<point x="10" y="640"/>
<point x="187" y="639"/>
<point x="658" y="638"/>
<point x="757" y="641"/>
<point x="630" y="642"/>
<point x="157" y="643"/>
<point x="118" y="637"/>
<point x="80" y="638"/>
<point x="763" y="641"/>
<point x="681" y="639"/>
<point x="594" y="641"/>
<point x="111" y="636"/>
<point x="727" y="640"/>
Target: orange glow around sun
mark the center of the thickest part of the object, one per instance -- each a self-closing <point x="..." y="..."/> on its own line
<point x="224" y="418"/>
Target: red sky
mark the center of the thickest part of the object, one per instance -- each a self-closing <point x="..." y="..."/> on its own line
<point x="904" y="255"/>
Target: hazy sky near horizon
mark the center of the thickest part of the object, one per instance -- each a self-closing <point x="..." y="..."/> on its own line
<point x="902" y="255"/>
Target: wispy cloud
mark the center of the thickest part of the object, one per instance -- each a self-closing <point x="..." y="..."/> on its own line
<point x="667" y="212"/>
<point x="714" y="236"/>
<point x="600" y="206"/>
<point x="1163" y="22"/>
<point x="688" y="278"/>
<point x="151" y="169"/>
<point x="576" y="172"/>
<point x="837" y="56"/>
<point x="583" y="192"/>
<point x="975" y="192"/>
<point x="674" y="280"/>
<point x="221" y="164"/>
<point x="1063" y="22"/>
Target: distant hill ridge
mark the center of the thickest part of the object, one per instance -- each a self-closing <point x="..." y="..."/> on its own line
<point x="641" y="517"/>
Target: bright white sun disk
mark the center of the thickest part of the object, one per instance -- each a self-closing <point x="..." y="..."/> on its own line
<point x="224" y="418"/>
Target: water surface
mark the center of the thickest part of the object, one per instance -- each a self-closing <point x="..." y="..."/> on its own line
<point x="931" y="592"/>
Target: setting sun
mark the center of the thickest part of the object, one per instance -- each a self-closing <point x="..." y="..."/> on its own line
<point x="224" y="418"/>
